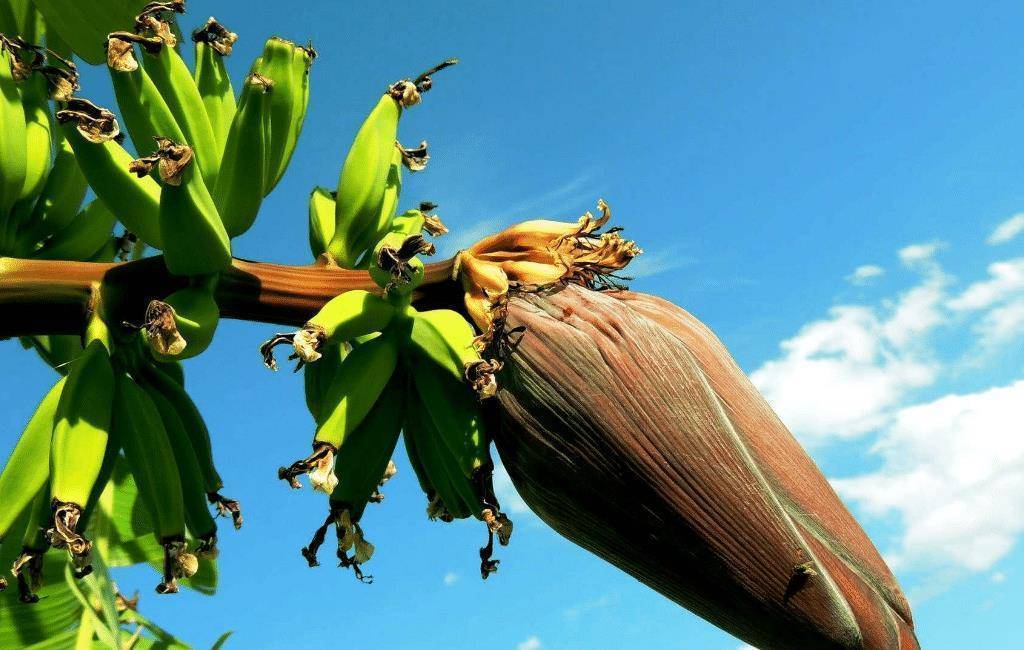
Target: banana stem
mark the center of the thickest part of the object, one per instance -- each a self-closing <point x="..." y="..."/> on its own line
<point x="53" y="297"/>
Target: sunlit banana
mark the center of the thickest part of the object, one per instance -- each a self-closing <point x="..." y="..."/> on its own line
<point x="238" y="195"/>
<point x="28" y="466"/>
<point x="343" y="318"/>
<point x="317" y="377"/>
<point x="321" y="220"/>
<point x="182" y="325"/>
<point x="395" y="264"/>
<point x="80" y="437"/>
<point x="287" y="65"/>
<point x="84" y="26"/>
<point x="214" y="42"/>
<point x="363" y="459"/>
<point x="178" y="87"/>
<point x="197" y="513"/>
<point x="355" y="388"/>
<point x="92" y="131"/>
<point x="151" y="460"/>
<point x="87" y="234"/>
<point x="167" y="378"/>
<point x="13" y="150"/>
<point x="38" y="135"/>
<point x="144" y="111"/>
<point x="448" y="340"/>
<point x="194" y="239"/>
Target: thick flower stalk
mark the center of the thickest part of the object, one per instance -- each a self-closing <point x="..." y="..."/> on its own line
<point x="627" y="426"/>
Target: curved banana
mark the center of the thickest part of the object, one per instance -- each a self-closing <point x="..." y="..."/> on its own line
<point x="59" y="201"/>
<point x="178" y="88"/>
<point x="163" y="376"/>
<point x="321" y="220"/>
<point x="343" y="318"/>
<point x="238" y="193"/>
<point x="38" y="135"/>
<point x="57" y="350"/>
<point x="354" y="390"/>
<point x="28" y="466"/>
<point x="214" y="42"/>
<point x="151" y="459"/>
<point x="317" y="377"/>
<point x="13" y="134"/>
<point x="183" y="324"/>
<point x="83" y="238"/>
<point x="80" y="437"/>
<point x="199" y="521"/>
<point x="287" y="65"/>
<point x="105" y="165"/>
<point x="84" y="26"/>
<point x="395" y="264"/>
<point x="426" y="453"/>
<point x="194" y="239"/>
<point x="449" y="341"/>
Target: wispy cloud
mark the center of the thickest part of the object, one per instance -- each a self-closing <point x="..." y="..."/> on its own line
<point x="1007" y="230"/>
<point x="576" y="611"/>
<point x="865" y="274"/>
<point x="531" y="643"/>
<point x="450" y="578"/>
<point x="506" y="492"/>
<point x="654" y="263"/>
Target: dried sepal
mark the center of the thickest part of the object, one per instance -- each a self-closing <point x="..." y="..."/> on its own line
<point x="415" y="159"/>
<point x="161" y="329"/>
<point x="319" y="465"/>
<point x="64" y="535"/>
<point x="94" y="123"/>
<point x="219" y="38"/>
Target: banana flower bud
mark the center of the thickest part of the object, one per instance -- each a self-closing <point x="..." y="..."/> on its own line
<point x="627" y="426"/>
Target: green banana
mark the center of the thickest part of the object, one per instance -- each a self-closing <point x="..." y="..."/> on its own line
<point x="449" y="341"/>
<point x="343" y="318"/>
<point x="194" y="239"/>
<point x="151" y="459"/>
<point x="28" y="467"/>
<point x="57" y="350"/>
<point x="238" y="192"/>
<point x="395" y="265"/>
<point x="83" y="238"/>
<point x="59" y="201"/>
<point x="105" y="165"/>
<point x="287" y="65"/>
<point x="198" y="519"/>
<point x="145" y="113"/>
<point x="213" y="43"/>
<point x="167" y="378"/>
<point x="321" y="220"/>
<point x="38" y="135"/>
<point x="28" y="567"/>
<point x="84" y="25"/>
<point x="352" y="393"/>
<point x="182" y="325"/>
<point x="80" y="437"/>
<point x="317" y="376"/>
<point x="363" y="466"/>
<point x="177" y="86"/>
<point x="13" y="134"/>
<point x="427" y="455"/>
<point x="16" y="18"/>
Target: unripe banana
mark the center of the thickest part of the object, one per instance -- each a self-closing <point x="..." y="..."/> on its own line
<point x="317" y="377"/>
<point x="238" y="193"/>
<point x="105" y="164"/>
<point x="83" y="238"/>
<point x="448" y="340"/>
<point x="13" y="148"/>
<point x="162" y="377"/>
<point x="59" y="201"/>
<point x="80" y="437"/>
<point x="427" y="454"/>
<point x="28" y="466"/>
<point x="213" y="43"/>
<point x="287" y="66"/>
<point x="197" y="513"/>
<point x="27" y="568"/>
<point x="321" y="220"/>
<point x="38" y="134"/>
<point x="17" y="18"/>
<point x="178" y="88"/>
<point x="145" y="113"/>
<point x="194" y="239"/>
<point x="395" y="265"/>
<point x="343" y="318"/>
<point x="355" y="388"/>
<point x="56" y="350"/>
<point x="84" y="26"/>
<point x="182" y="325"/>
<point x="151" y="459"/>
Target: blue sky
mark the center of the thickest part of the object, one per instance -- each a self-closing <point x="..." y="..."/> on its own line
<point x="761" y="156"/>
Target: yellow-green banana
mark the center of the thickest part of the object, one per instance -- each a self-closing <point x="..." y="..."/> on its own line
<point x="395" y="264"/>
<point x="38" y="135"/>
<point x="317" y="376"/>
<point x="13" y="149"/>
<point x="28" y="466"/>
<point x="321" y="220"/>
<point x="182" y="325"/>
<point x="105" y="164"/>
<point x="352" y="393"/>
<point x="59" y="201"/>
<point x="80" y="436"/>
<point x="151" y="460"/>
<point x="84" y="26"/>
<point x="287" y="65"/>
<point x="238" y="193"/>
<point x="214" y="42"/>
<point x="427" y="453"/>
<point x="85" y="236"/>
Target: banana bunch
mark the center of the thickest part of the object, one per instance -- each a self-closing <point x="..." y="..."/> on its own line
<point x="375" y="367"/>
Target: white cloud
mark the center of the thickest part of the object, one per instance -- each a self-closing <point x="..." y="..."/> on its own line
<point x="998" y="577"/>
<point x="953" y="470"/>
<point x="653" y="263"/>
<point x="450" y="578"/>
<point x="865" y="274"/>
<point x="920" y="254"/>
<point x="1002" y="324"/>
<point x="531" y="643"/>
<point x="1007" y="230"/>
<point x="1006" y="279"/>
<point x="576" y="611"/>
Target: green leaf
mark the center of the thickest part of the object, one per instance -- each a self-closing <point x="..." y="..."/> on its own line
<point x="221" y="640"/>
<point x="57" y="611"/>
